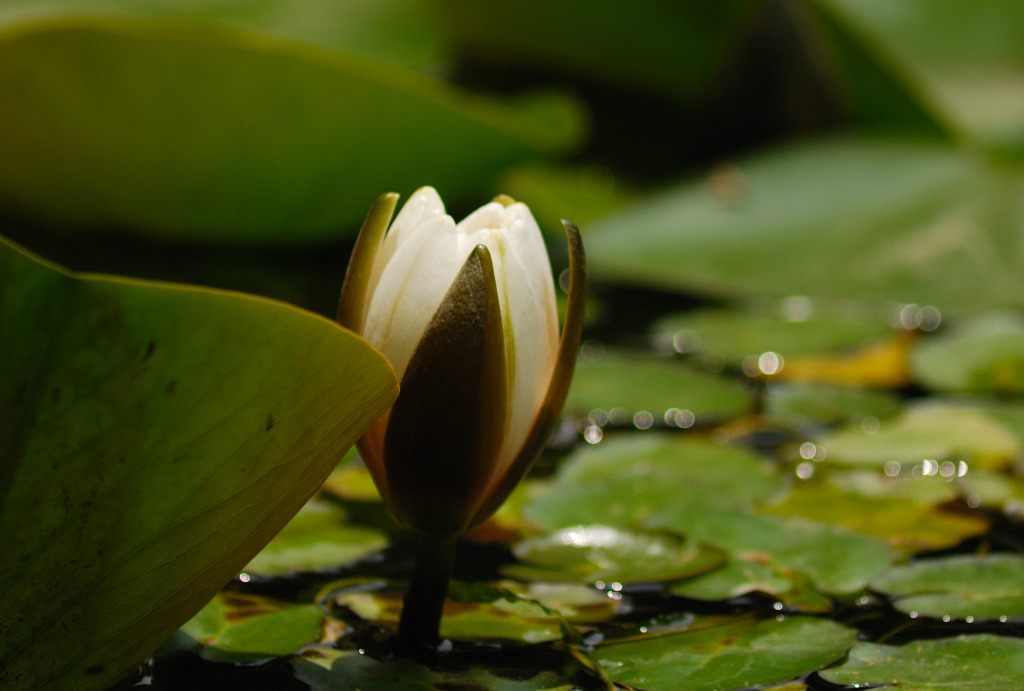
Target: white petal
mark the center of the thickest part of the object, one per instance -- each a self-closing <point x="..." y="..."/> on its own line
<point x="527" y="298"/>
<point x="491" y="215"/>
<point x="421" y="208"/>
<point x="527" y="244"/>
<point x="411" y="287"/>
<point x="534" y="335"/>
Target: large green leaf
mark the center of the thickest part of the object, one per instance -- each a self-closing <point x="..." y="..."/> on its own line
<point x="400" y="31"/>
<point x="750" y="65"/>
<point x="208" y="132"/>
<point x="667" y="47"/>
<point x="155" y="437"/>
<point x="967" y="63"/>
<point x="847" y="217"/>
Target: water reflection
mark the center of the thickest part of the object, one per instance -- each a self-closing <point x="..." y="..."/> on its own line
<point x="912" y="316"/>
<point x="643" y="420"/>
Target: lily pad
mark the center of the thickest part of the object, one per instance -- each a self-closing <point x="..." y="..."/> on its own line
<point x="316" y="538"/>
<point x="727" y="653"/>
<point x="852" y="217"/>
<point x="981" y="662"/>
<point x="330" y="670"/>
<point x="880" y="365"/>
<point x="588" y="554"/>
<point x="642" y="383"/>
<point x="815" y="404"/>
<point x="742" y="576"/>
<point x="834" y="560"/>
<point x="157" y="437"/>
<point x="908" y="526"/>
<point x="931" y="433"/>
<point x="241" y="628"/>
<point x="623" y="481"/>
<point x="471" y="613"/>
<point x="923" y="490"/>
<point x="275" y="143"/>
<point x="961" y="587"/>
<point x="797" y="326"/>
<point x="577" y="603"/>
<point x="983" y="354"/>
<point x="351" y="480"/>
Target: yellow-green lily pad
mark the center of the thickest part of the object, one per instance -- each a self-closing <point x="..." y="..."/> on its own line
<point x="907" y="526"/>
<point x="328" y="669"/>
<point x="486" y="614"/>
<point x="156" y="437"/>
<point x="924" y="437"/>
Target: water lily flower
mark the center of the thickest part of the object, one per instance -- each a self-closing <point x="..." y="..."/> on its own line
<point x="466" y="314"/>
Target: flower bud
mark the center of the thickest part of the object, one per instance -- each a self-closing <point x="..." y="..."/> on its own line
<point x="466" y="315"/>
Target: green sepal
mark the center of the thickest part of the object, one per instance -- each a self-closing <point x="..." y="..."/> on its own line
<point x="558" y="388"/>
<point x="352" y="303"/>
<point x="448" y="424"/>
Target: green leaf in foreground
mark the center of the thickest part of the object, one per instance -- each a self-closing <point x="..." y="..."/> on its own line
<point x="961" y="587"/>
<point x="724" y="653"/>
<point x="205" y="132"/>
<point x="981" y="662"/>
<point x="155" y="438"/>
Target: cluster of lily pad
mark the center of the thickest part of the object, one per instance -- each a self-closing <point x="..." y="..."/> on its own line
<point x="803" y="523"/>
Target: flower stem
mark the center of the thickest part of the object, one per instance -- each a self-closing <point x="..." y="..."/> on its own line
<point x="420" y="624"/>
